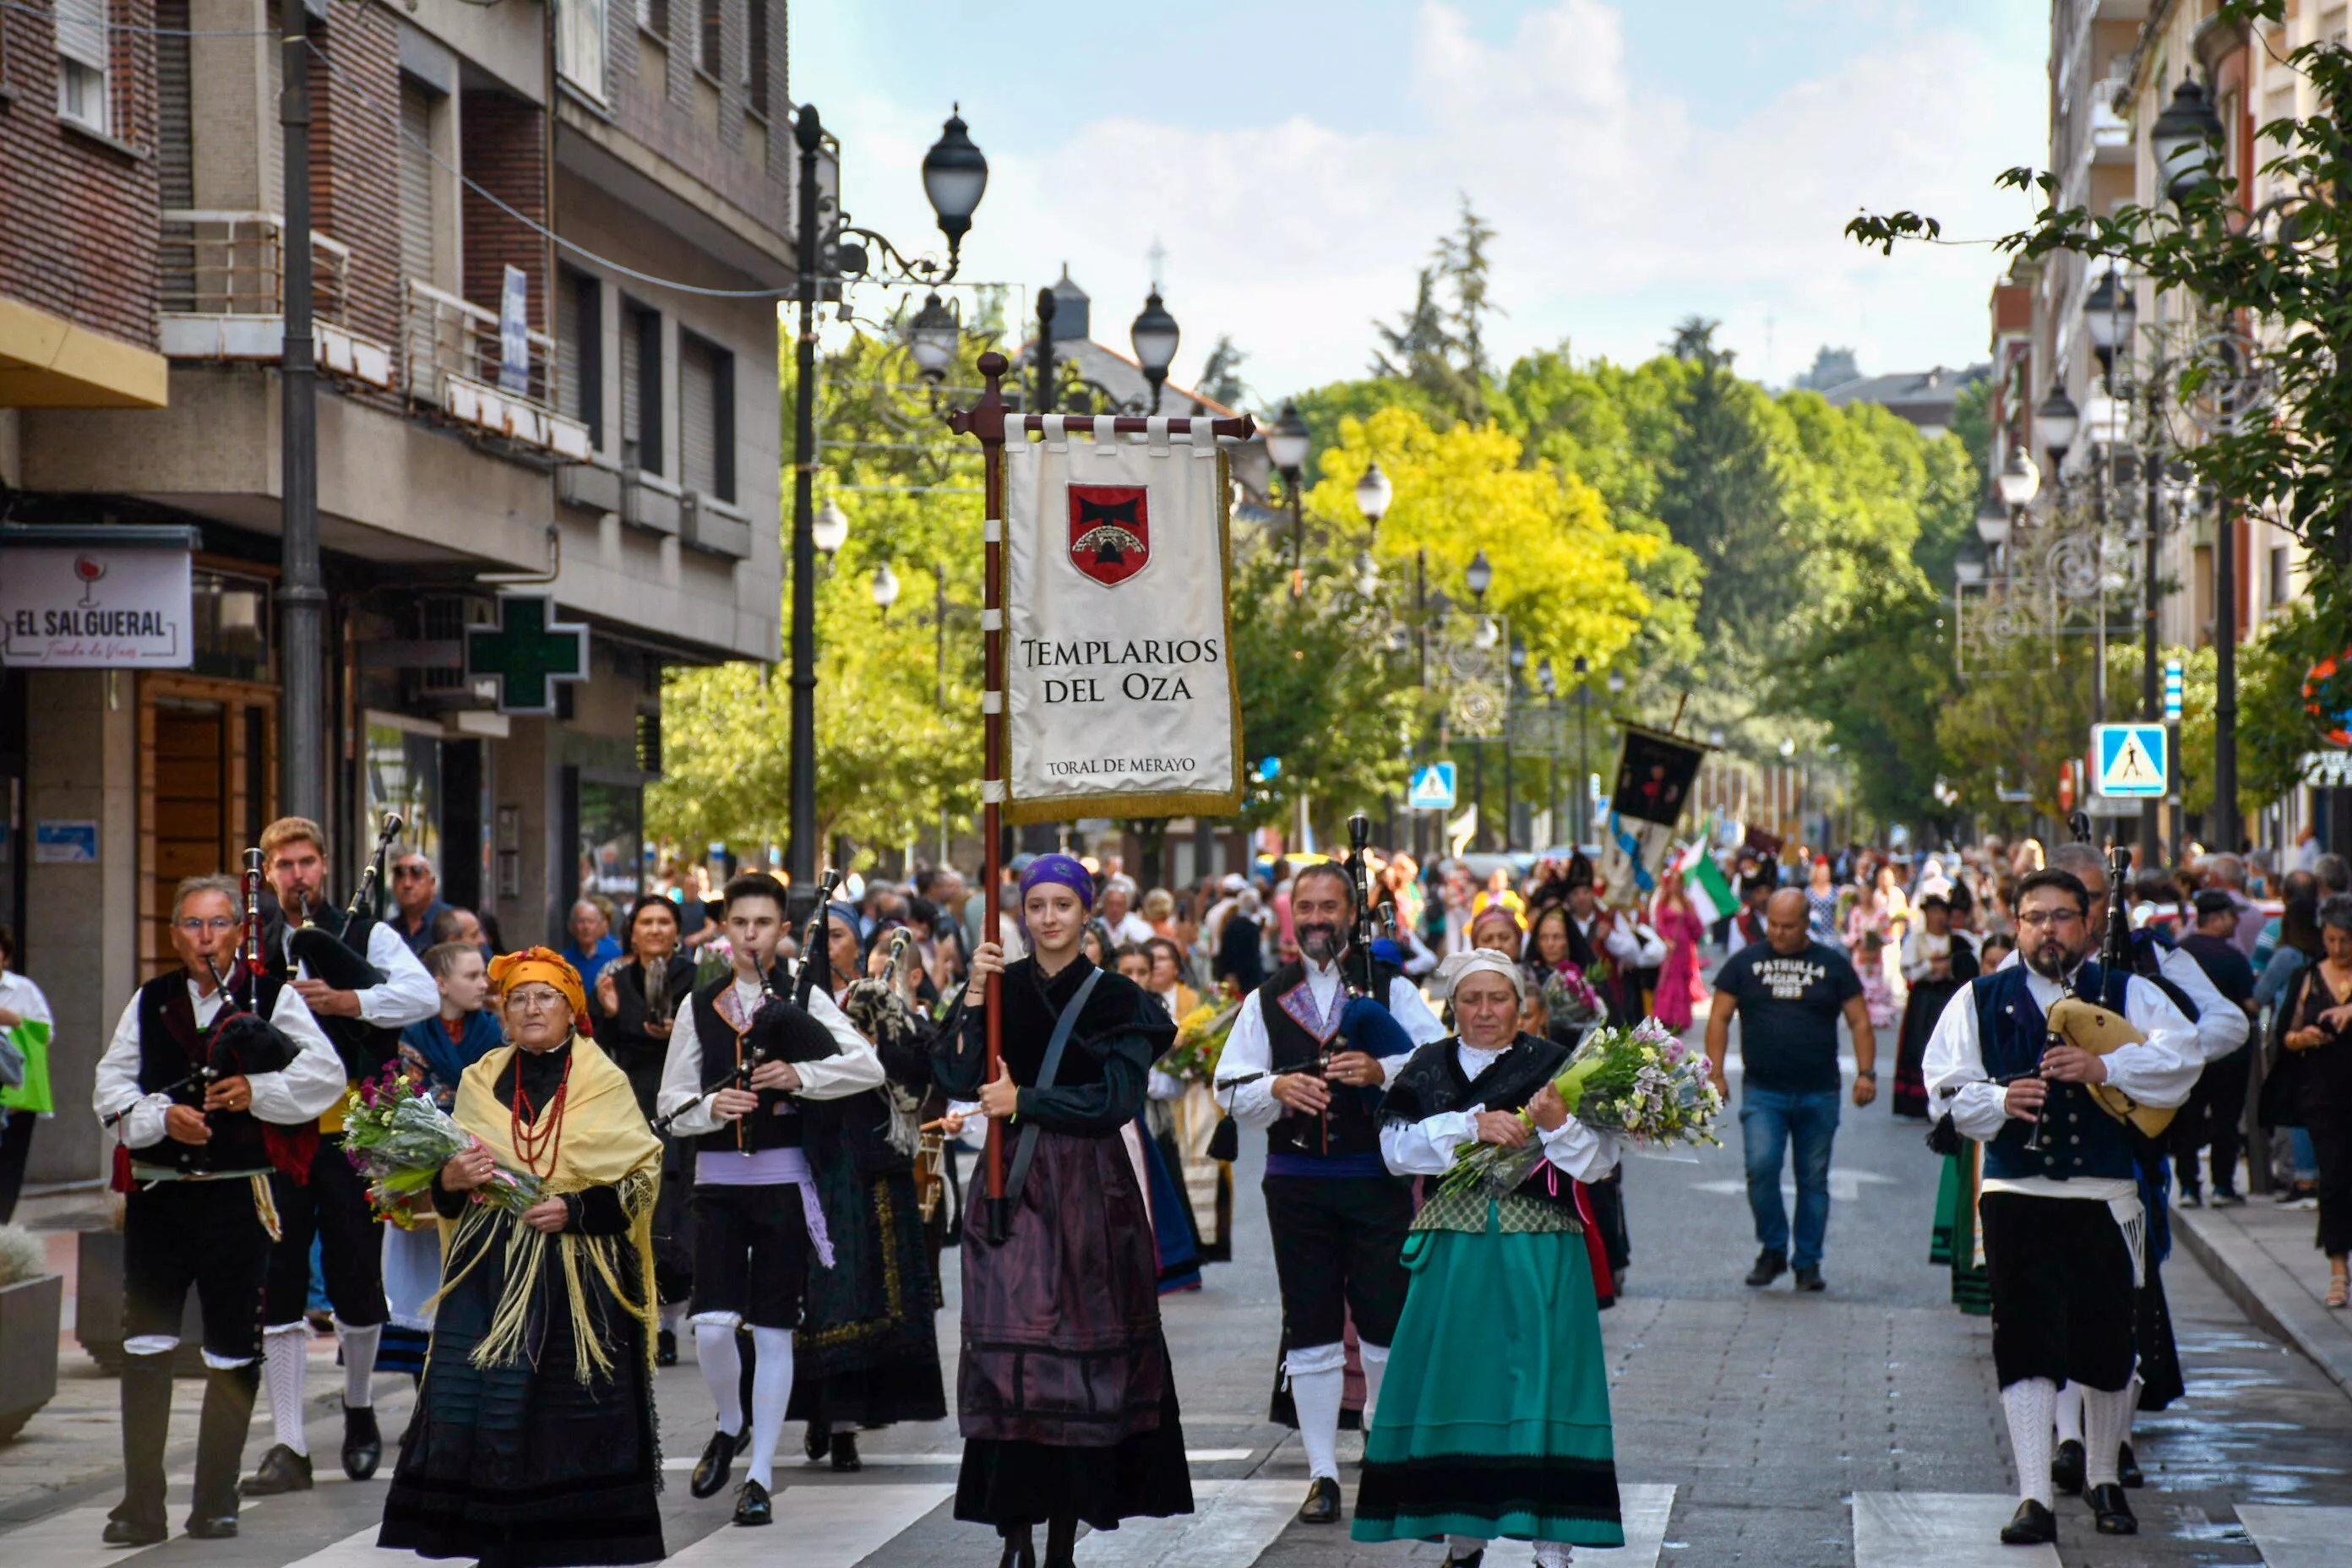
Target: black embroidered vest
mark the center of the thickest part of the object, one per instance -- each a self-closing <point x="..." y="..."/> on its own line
<point x="2012" y="1032"/>
<point x="777" y="1123"/>
<point x="1297" y="1039"/>
<point x="170" y="1046"/>
<point x="1432" y="1084"/>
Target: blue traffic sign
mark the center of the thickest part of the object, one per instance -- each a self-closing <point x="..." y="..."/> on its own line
<point x="2131" y="758"/>
<point x="1433" y="787"/>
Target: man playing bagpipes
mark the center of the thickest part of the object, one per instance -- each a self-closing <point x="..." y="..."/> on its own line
<point x="741" y="1058"/>
<point x="2042" y="1062"/>
<point x="364" y="987"/>
<point x="1307" y="1059"/>
<point x="212" y="1084"/>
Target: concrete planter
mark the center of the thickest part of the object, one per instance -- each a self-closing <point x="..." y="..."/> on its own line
<point x="29" y="1315"/>
<point x="97" y="1308"/>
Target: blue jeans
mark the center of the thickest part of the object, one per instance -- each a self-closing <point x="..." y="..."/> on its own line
<point x="1768" y="1120"/>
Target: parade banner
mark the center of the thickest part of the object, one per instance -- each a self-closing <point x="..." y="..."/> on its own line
<point x="1655" y="774"/>
<point x="1120" y="696"/>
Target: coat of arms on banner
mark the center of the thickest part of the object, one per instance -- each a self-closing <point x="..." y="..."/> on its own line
<point x="1110" y="532"/>
<point x="1655" y="772"/>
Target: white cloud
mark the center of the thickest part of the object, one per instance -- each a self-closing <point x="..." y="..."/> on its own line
<point x="1619" y="211"/>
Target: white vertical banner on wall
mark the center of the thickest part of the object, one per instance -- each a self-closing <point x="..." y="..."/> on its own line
<point x="1120" y="694"/>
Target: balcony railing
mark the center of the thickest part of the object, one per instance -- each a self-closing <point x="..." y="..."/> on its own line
<point x="454" y="359"/>
<point x="223" y="294"/>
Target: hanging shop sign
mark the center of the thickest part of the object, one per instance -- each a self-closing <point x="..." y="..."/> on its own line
<point x="97" y="598"/>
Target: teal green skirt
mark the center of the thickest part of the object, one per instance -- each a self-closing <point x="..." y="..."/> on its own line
<point x="1494" y="1418"/>
<point x="1952" y="1243"/>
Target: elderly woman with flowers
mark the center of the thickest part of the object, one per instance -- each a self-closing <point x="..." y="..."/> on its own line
<point x="1505" y="1431"/>
<point x="532" y="1444"/>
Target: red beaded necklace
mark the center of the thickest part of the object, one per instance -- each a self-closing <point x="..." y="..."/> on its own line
<point x="545" y="1135"/>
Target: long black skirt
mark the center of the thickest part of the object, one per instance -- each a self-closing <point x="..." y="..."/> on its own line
<point x="1066" y="1397"/>
<point x="869" y="1353"/>
<point x="521" y="1465"/>
<point x="1925" y="1005"/>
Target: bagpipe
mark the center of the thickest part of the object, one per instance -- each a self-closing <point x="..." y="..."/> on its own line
<point x="1365" y="1022"/>
<point x="331" y="946"/>
<point x="2087" y="1025"/>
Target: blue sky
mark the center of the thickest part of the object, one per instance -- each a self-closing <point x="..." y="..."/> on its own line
<point x="1643" y="160"/>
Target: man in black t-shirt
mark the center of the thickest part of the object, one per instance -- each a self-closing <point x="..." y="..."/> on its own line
<point x="2215" y="1107"/>
<point x="1788" y="992"/>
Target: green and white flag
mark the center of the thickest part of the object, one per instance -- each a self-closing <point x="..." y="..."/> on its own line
<point x="1703" y="879"/>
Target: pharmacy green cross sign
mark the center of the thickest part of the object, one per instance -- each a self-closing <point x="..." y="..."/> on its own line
<point x="528" y="652"/>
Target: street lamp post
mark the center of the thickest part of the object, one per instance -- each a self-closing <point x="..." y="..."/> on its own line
<point x="1511" y="669"/>
<point x="955" y="176"/>
<point x="1549" y="682"/>
<point x="1287" y="445"/>
<point x="1154" y="335"/>
<point x="1583" y="750"/>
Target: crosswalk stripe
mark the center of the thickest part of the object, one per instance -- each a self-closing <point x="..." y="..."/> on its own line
<point x="1645" y="1509"/>
<point x="1232" y="1523"/>
<point x="357" y="1549"/>
<point x="819" y="1527"/>
<point x="954" y="1457"/>
<point x="1951" y="1529"/>
<point x="2298" y="1537"/>
<point x="71" y="1540"/>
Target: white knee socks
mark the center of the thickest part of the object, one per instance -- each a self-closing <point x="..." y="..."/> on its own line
<point x="359" y="1362"/>
<point x="1317" y="1382"/>
<point x="1460" y="1546"/>
<point x="2070" y="1414"/>
<point x="2031" y="1406"/>
<point x="1553" y="1553"/>
<point x="284" y="1355"/>
<point x="2108" y="1419"/>
<point x="771" y="1392"/>
<point x="722" y="1370"/>
<point x="1376" y="1366"/>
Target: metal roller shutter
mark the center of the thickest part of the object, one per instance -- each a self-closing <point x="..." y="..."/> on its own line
<point x="697" y="416"/>
<point x="417" y="185"/>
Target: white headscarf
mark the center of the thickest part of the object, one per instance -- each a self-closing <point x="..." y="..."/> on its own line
<point x="1456" y="966"/>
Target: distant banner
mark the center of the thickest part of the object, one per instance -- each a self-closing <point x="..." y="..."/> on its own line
<point x="1120" y="694"/>
<point x="1655" y="774"/>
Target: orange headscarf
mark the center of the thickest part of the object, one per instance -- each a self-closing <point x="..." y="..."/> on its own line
<point x="510" y="969"/>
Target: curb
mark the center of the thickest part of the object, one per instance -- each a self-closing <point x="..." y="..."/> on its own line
<point x="2267" y="1292"/>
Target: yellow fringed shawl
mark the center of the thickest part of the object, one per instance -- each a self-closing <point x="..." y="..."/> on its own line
<point x="605" y="1143"/>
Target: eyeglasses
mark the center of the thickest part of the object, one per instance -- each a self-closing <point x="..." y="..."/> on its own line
<point x="2041" y="918"/>
<point x="196" y="925"/>
<point x="538" y="999"/>
<point x="408" y="873"/>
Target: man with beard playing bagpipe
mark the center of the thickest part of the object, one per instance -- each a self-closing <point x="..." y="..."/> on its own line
<point x="743" y="1059"/>
<point x="1306" y="1059"/>
<point x="364" y="987"/>
<point x="2020" y="1058"/>
<point x="211" y="1085"/>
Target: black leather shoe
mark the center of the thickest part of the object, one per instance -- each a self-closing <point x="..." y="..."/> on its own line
<point x="213" y="1527"/>
<point x="1470" y="1561"/>
<point x="363" y="1442"/>
<point x="2127" y="1468"/>
<point x="2111" y="1511"/>
<point x="1322" y="1504"/>
<point x="817" y="1442"/>
<point x="718" y="1462"/>
<point x="1809" y="1277"/>
<point x="845" y="1453"/>
<point x="1769" y="1266"/>
<point x="127" y="1532"/>
<point x="282" y="1471"/>
<point x="666" y="1347"/>
<point x="751" y="1505"/>
<point x="2030" y="1525"/>
<point x="2066" y="1467"/>
<point x="1020" y="1549"/>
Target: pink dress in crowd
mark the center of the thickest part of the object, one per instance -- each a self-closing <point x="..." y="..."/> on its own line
<point x="1682" y="930"/>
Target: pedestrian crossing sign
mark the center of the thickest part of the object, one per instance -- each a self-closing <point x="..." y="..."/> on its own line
<point x="2131" y="761"/>
<point x="1433" y="787"/>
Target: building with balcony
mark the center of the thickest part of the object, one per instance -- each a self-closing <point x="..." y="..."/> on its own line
<point x="546" y="242"/>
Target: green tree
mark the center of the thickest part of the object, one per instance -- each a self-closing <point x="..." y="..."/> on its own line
<point x="1221" y="377"/>
<point x="1439" y="345"/>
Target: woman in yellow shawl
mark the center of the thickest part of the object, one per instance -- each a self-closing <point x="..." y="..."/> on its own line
<point x="532" y="1444"/>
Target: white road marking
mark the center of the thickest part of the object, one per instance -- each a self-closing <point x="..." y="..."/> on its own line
<point x="1230" y="1525"/>
<point x="1646" y="1509"/>
<point x="2292" y="1537"/>
<point x="953" y="1457"/>
<point x="357" y="1549"/>
<point x="1845" y="1184"/>
<point x="1950" y="1530"/>
<point x="819" y="1527"/>
<point x="71" y="1540"/>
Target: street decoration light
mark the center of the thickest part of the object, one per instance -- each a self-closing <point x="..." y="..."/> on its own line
<point x="1154" y="335"/>
<point x="2019" y="481"/>
<point x="830" y="531"/>
<point x="932" y="337"/>
<point x="955" y="176"/>
<point x="2057" y="421"/>
<point x="1286" y="446"/>
<point x="1969" y="565"/>
<point x="1373" y="493"/>
<point x="1992" y="522"/>
<point x="886" y="588"/>
<point x="2110" y="313"/>
<point x="2185" y="141"/>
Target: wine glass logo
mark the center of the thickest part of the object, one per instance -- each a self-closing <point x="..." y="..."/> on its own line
<point x="89" y="569"/>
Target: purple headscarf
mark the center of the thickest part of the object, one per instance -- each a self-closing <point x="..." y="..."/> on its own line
<point x="1063" y="870"/>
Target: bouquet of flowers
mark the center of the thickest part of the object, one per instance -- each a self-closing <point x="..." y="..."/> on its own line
<point x="397" y="1137"/>
<point x="1642" y="1083"/>
<point x="1569" y="997"/>
<point x="1199" y="1040"/>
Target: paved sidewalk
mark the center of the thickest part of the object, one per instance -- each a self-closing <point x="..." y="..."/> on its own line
<point x="2262" y="1257"/>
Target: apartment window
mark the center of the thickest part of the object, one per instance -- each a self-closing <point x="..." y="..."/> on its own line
<point x="82" y="95"/>
<point x="640" y="388"/>
<point x="705" y="417"/>
<point x="419" y="217"/>
<point x="580" y="45"/>
<point x="714" y="32"/>
<point x="2282" y="575"/>
<point x="755" y="54"/>
<point x="653" y="15"/>
<point x="580" y="352"/>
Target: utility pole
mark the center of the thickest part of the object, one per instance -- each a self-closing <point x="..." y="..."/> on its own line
<point x="2151" y="709"/>
<point x="800" y="852"/>
<point x="2225" y="833"/>
<point x="301" y="592"/>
